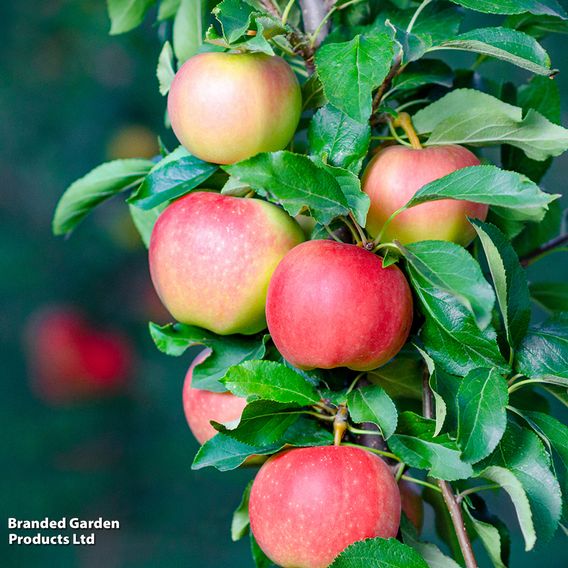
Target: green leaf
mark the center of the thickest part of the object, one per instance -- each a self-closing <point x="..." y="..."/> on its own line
<point x="547" y="7"/>
<point x="506" y="44"/>
<point x="436" y="262"/>
<point x="373" y="404"/>
<point x="165" y="70"/>
<point x="168" y="9"/>
<point x="188" y="29"/>
<point x="293" y="181"/>
<point x="466" y="116"/>
<point x="400" y="378"/>
<point x="522" y="455"/>
<point x="269" y="380"/>
<point x="260" y="431"/>
<point x="424" y="72"/>
<point x="552" y="430"/>
<point x="490" y="538"/>
<point x="126" y="15"/>
<point x="482" y="417"/>
<point x="543" y="354"/>
<point x="416" y="445"/>
<point x="450" y="334"/>
<point x="542" y="95"/>
<point x="508" y="481"/>
<point x="338" y="139"/>
<point x="358" y="201"/>
<point x="537" y="26"/>
<point x="234" y="17"/>
<point x="436" y="377"/>
<point x="536" y="234"/>
<point x="379" y="553"/>
<point x="350" y="71"/>
<point x="241" y="522"/>
<point x="225" y="453"/>
<point x="97" y="186"/>
<point x="227" y="351"/>
<point x="552" y="296"/>
<point x="144" y="221"/>
<point x="429" y="552"/>
<point x="509" y="279"/>
<point x="174" y="176"/>
<point x="489" y="185"/>
<point x="260" y="559"/>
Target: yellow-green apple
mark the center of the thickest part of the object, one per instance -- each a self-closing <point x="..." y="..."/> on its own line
<point x="70" y="360"/>
<point x="412" y="504"/>
<point x="201" y="406"/>
<point x="225" y="107"/>
<point x="307" y="505"/>
<point x="333" y="304"/>
<point x="396" y="173"/>
<point x="212" y="256"/>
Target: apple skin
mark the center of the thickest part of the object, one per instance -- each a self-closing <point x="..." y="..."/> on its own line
<point x="202" y="406"/>
<point x="70" y="360"/>
<point x="212" y="256"/>
<point x="396" y="173"/>
<point x="332" y="304"/>
<point x="226" y="107"/>
<point x="307" y="505"/>
<point x="412" y="504"/>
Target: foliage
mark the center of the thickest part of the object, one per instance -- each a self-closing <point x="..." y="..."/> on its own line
<point x="482" y="359"/>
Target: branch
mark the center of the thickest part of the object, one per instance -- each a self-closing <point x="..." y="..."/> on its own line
<point x="449" y="497"/>
<point x="544" y="249"/>
<point x="313" y="13"/>
<point x="385" y="86"/>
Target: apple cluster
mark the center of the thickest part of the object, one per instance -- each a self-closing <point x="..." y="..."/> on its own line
<point x="239" y="265"/>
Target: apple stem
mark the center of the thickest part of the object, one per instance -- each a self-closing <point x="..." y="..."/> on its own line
<point x="405" y="122"/>
<point x="340" y="424"/>
<point x="452" y="503"/>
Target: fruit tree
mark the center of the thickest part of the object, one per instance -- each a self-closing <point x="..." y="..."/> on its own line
<point x="344" y="229"/>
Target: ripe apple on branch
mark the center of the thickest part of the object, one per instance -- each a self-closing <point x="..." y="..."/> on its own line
<point x="390" y="346"/>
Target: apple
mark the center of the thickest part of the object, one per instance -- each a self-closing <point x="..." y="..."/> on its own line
<point x="71" y="360"/>
<point x="333" y="304"/>
<point x="412" y="504"/>
<point x="396" y="173"/>
<point x="212" y="256"/>
<point x="226" y="107"/>
<point x="307" y="505"/>
<point x="202" y="406"/>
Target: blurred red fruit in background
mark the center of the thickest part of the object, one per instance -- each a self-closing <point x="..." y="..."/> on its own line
<point x="69" y="359"/>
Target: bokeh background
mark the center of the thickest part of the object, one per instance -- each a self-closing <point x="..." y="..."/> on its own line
<point x="71" y="97"/>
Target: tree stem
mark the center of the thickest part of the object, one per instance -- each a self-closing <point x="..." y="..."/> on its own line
<point x="544" y="249"/>
<point x="446" y="489"/>
<point x="314" y="12"/>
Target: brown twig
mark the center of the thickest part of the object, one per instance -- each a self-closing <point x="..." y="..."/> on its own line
<point x="395" y="69"/>
<point x="543" y="249"/>
<point x="446" y="489"/>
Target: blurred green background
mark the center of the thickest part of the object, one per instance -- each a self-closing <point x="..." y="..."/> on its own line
<point x="71" y="97"/>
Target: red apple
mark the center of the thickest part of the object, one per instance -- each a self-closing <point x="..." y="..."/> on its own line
<point x="70" y="360"/>
<point x="226" y="107"/>
<point x="212" y="256"/>
<point x="396" y="173"/>
<point x="332" y="305"/>
<point x="307" y="505"/>
<point x="412" y="504"/>
<point x="202" y="406"/>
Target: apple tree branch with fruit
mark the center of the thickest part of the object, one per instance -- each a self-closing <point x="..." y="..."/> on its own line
<point x="333" y="234"/>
